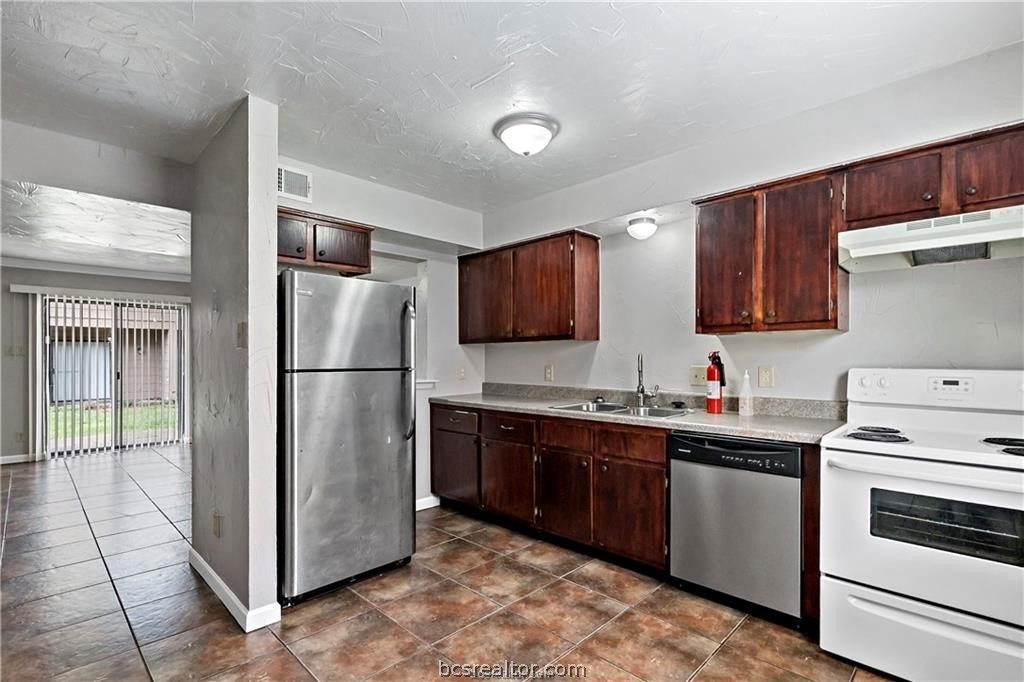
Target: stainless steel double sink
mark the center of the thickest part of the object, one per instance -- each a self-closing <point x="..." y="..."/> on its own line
<point x="625" y="410"/>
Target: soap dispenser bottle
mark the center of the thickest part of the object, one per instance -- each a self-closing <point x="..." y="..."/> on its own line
<point x="746" y="396"/>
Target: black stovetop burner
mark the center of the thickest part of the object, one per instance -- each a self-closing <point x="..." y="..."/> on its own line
<point x="1012" y="442"/>
<point x="879" y="437"/>
<point x="1014" y="451"/>
<point x="878" y="429"/>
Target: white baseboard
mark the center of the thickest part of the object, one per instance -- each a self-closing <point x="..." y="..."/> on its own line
<point x="248" y="619"/>
<point x="15" y="459"/>
<point x="427" y="502"/>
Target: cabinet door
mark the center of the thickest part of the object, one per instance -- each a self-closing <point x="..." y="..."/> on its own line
<point x="563" y="494"/>
<point x="629" y="510"/>
<point x="725" y="264"/>
<point x="991" y="169"/>
<point x="890" y="188"/>
<point x="798" y="258"/>
<point x="485" y="297"/>
<point x="542" y="288"/>
<point x="341" y="246"/>
<point x="506" y="478"/>
<point x="291" y="237"/>
<point x="454" y="466"/>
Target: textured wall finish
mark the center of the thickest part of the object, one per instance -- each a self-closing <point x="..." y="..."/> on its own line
<point x="234" y="343"/>
<point x="406" y="93"/>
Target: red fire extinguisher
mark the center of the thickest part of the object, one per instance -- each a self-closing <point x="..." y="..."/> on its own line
<point x="716" y="381"/>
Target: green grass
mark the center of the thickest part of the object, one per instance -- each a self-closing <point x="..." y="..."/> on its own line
<point x="74" y="421"/>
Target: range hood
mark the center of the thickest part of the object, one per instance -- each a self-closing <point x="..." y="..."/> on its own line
<point x="998" y="233"/>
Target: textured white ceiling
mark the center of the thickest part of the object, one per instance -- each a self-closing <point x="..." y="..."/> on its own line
<point x="63" y="226"/>
<point x="406" y="93"/>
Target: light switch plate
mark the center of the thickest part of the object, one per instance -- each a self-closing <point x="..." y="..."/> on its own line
<point x="549" y="373"/>
<point x="698" y="375"/>
<point x="766" y="377"/>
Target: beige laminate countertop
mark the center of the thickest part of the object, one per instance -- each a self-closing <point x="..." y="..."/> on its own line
<point x="789" y="429"/>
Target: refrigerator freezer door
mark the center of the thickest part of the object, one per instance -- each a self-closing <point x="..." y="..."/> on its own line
<point x="333" y="322"/>
<point x="347" y="475"/>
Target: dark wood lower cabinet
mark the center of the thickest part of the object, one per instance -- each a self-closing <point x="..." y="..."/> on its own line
<point x="506" y="478"/>
<point x="629" y="509"/>
<point x="563" y="494"/>
<point x="454" y="471"/>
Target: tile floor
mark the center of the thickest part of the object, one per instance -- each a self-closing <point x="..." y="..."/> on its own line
<point x="96" y="585"/>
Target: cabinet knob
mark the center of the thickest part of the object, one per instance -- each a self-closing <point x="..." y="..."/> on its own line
<point x="927" y="196"/>
<point x="506" y="428"/>
<point x="300" y="249"/>
<point x="583" y="464"/>
<point x="321" y="253"/>
<point x="771" y="313"/>
<point x="744" y="314"/>
<point x="971" y="191"/>
<point x="604" y="467"/>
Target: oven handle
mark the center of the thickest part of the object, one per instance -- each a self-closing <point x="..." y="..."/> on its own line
<point x="931" y="478"/>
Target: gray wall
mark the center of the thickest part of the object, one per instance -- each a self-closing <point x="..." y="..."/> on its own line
<point x="234" y="353"/>
<point x="14" y="332"/>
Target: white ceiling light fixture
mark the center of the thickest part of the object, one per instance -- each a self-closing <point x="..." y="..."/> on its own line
<point x="526" y="134"/>
<point x="641" y="228"/>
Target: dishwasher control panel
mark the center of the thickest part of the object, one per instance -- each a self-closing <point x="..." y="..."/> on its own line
<point x="780" y="459"/>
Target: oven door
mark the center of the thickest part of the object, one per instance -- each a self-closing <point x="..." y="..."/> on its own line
<point x="945" y="533"/>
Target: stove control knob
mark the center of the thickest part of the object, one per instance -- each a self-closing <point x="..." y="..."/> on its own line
<point x="865" y="382"/>
<point x="884" y="382"/>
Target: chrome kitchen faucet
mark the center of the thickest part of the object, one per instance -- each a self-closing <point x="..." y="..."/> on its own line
<point x="642" y="396"/>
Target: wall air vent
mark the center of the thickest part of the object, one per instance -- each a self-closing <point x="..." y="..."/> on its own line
<point x="294" y="183"/>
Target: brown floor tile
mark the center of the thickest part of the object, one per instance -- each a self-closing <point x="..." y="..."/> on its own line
<point x="504" y="580"/>
<point x="428" y="536"/>
<point x="569" y="610"/>
<point x="119" y="510"/>
<point x="439" y="611"/>
<point x="173" y="615"/>
<point x="454" y="557"/>
<point x="649" y="648"/>
<point x="58" y="611"/>
<point x="397" y="582"/>
<point x="206" y="650"/>
<point x="50" y="538"/>
<point x="126" y="667"/>
<point x="182" y="513"/>
<point x="40" y="524"/>
<point x="616" y="582"/>
<point x="356" y="648"/>
<point x="432" y="514"/>
<point x="280" y="666"/>
<point x="50" y="509"/>
<point x="787" y="649"/>
<point x="729" y="664"/>
<point x="122" y="524"/>
<point x="157" y="584"/>
<point x="863" y="675"/>
<point x="498" y="539"/>
<point x="318" y="614"/>
<point x="691" y="612"/>
<point x="115" y="500"/>
<point x="597" y="669"/>
<point x="504" y="637"/>
<point x="137" y="539"/>
<point x="51" y="653"/>
<point x="457" y="524"/>
<point x="422" y="666"/>
<point x="51" y="557"/>
<point x="551" y="558"/>
<point x="32" y="586"/>
<point x="147" y="559"/>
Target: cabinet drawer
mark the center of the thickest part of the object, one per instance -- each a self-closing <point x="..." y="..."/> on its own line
<point x="511" y="429"/>
<point x="646" y="445"/>
<point x="569" y="435"/>
<point x="462" y="421"/>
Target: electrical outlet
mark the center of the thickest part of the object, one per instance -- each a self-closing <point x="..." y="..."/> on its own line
<point x="766" y="377"/>
<point x="461" y="374"/>
<point x="217" y="523"/>
<point x="698" y="375"/>
<point x="549" y="373"/>
<point x="19" y="437"/>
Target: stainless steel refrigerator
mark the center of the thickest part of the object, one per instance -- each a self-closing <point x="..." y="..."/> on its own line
<point x="348" y="418"/>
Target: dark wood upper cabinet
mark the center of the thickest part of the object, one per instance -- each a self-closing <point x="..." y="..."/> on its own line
<point x="506" y="478"/>
<point x="799" y="259"/>
<point x="990" y="170"/>
<point x="485" y="297"/>
<point x="544" y="288"/>
<point x="725" y="265"/>
<point x="563" y="494"/>
<point x="629" y="510"/>
<point x="900" y="187"/>
<point x="320" y="241"/>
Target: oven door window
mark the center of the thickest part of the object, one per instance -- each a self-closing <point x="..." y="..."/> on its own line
<point x="977" y="530"/>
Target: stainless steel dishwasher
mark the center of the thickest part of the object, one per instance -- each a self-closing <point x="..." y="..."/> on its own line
<point x="735" y="517"/>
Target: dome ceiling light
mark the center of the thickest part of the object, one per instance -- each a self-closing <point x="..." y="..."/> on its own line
<point x="641" y="228"/>
<point x="526" y="134"/>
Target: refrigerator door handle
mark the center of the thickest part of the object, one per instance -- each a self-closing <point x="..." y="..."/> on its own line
<point x="409" y="334"/>
<point x="409" y="339"/>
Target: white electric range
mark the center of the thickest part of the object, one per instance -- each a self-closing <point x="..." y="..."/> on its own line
<point x="922" y="524"/>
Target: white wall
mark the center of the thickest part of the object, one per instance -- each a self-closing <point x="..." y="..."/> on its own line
<point x="234" y="354"/>
<point x="344" y="196"/>
<point x="54" y="159"/>
<point x="965" y="315"/>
